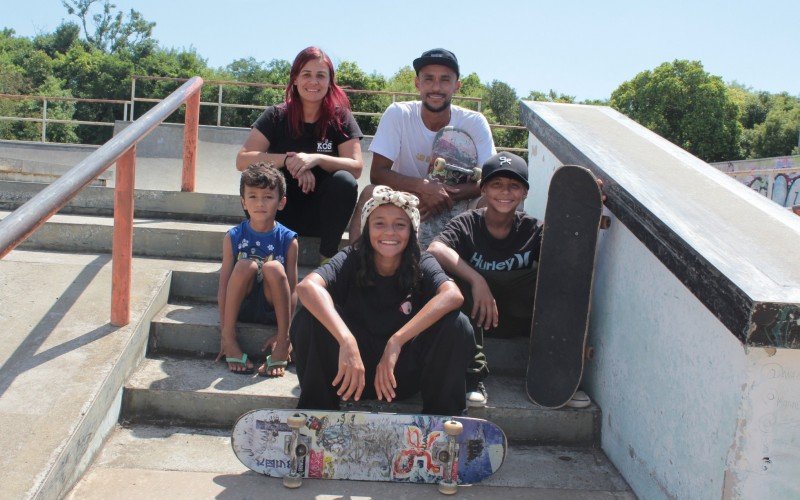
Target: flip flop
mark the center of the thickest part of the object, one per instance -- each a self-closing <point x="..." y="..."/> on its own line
<point x="243" y="362"/>
<point x="272" y="364"/>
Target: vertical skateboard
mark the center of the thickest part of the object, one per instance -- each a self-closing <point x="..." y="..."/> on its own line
<point x="364" y="446"/>
<point x="560" y="323"/>
<point x="455" y="161"/>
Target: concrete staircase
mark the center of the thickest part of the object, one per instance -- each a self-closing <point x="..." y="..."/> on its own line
<point x="172" y="435"/>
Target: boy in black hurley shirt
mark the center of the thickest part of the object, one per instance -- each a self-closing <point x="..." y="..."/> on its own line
<point x="493" y="254"/>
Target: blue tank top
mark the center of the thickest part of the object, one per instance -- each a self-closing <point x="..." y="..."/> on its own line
<point x="250" y="244"/>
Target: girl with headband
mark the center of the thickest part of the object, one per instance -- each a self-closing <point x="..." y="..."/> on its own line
<point x="381" y="320"/>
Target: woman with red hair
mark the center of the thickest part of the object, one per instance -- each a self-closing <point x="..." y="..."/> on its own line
<point x="314" y="139"/>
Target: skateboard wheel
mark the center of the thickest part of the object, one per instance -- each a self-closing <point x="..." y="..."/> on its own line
<point x="292" y="482"/>
<point x="448" y="488"/>
<point x="453" y="427"/>
<point x="296" y="421"/>
<point x="477" y="173"/>
<point x="605" y="222"/>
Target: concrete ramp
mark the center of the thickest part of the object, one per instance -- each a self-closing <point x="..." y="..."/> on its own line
<point x="695" y="314"/>
<point x="63" y="365"/>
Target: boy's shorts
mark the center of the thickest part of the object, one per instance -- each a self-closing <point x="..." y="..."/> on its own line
<point x="514" y="293"/>
<point x="256" y="308"/>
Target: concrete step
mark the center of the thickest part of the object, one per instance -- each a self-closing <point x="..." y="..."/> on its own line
<point x="63" y="365"/>
<point x="141" y="461"/>
<point x="197" y="392"/>
<point x="192" y="329"/>
<point x="95" y="200"/>
<point x="200" y="286"/>
<point x="158" y="238"/>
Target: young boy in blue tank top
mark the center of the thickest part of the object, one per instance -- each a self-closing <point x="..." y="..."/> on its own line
<point x="259" y="272"/>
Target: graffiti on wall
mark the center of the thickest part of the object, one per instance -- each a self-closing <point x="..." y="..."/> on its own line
<point x="776" y="178"/>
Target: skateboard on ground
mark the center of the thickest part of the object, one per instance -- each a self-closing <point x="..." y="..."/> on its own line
<point x="455" y="161"/>
<point x="365" y="446"/>
<point x="560" y="323"/>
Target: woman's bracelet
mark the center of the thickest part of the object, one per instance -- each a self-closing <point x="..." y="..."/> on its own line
<point x="284" y="160"/>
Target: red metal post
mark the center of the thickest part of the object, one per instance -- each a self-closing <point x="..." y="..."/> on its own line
<point x="122" y="250"/>
<point x="190" y="131"/>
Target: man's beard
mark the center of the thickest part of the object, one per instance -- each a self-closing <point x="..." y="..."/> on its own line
<point x="441" y="108"/>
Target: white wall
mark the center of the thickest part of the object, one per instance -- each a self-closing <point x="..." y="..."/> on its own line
<point x="687" y="410"/>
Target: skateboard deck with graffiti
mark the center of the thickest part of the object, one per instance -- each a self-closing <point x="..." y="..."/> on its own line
<point x="559" y="327"/>
<point x="368" y="446"/>
<point x="455" y="161"/>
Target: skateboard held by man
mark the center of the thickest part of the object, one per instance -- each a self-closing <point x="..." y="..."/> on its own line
<point x="366" y="446"/>
<point x="573" y="217"/>
<point x="455" y="161"/>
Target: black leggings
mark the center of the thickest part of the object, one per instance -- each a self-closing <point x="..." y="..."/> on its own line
<point x="324" y="212"/>
<point x="435" y="363"/>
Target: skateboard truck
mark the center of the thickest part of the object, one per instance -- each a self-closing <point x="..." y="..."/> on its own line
<point x="297" y="451"/>
<point x="440" y="166"/>
<point x="449" y="484"/>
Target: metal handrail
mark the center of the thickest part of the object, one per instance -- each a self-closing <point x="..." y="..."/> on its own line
<point x="25" y="220"/>
<point x="44" y="120"/>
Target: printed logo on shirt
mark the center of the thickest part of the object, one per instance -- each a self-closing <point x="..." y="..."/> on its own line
<point x="517" y="261"/>
<point x="325" y="146"/>
<point x="405" y="307"/>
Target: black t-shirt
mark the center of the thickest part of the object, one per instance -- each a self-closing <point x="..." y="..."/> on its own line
<point x="468" y="236"/>
<point x="273" y="123"/>
<point x="380" y="310"/>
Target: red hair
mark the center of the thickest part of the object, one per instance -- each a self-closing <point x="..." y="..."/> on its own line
<point x="334" y="104"/>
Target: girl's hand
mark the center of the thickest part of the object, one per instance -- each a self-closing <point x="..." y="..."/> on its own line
<point x="351" y="371"/>
<point x="298" y="163"/>
<point x="307" y="182"/>
<point x="385" y="383"/>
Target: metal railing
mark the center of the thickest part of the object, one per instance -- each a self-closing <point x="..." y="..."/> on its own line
<point x="129" y="105"/>
<point x="25" y="220"/>
<point x="44" y="120"/>
<point x="220" y="104"/>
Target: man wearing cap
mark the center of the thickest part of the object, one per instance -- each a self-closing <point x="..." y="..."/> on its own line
<point x="403" y="143"/>
<point x="493" y="254"/>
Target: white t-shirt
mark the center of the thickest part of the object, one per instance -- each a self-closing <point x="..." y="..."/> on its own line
<point x="404" y="139"/>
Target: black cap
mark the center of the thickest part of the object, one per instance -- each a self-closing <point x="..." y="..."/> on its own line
<point x="506" y="165"/>
<point x="437" y="56"/>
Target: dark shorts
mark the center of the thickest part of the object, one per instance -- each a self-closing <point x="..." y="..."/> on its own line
<point x="256" y="308"/>
<point x="513" y="292"/>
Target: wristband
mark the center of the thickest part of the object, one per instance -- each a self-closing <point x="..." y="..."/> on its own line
<point x="284" y="160"/>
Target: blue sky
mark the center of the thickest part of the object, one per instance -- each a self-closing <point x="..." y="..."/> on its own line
<point x="580" y="48"/>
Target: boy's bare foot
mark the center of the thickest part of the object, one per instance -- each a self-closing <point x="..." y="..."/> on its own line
<point x="278" y="359"/>
<point x="236" y="359"/>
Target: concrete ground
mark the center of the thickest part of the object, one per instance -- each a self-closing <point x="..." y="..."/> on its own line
<point x="157" y="462"/>
<point x="63" y="363"/>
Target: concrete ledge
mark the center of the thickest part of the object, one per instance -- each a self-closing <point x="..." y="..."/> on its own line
<point x="726" y="243"/>
<point x="96" y="200"/>
<point x="192" y="329"/>
<point x="152" y="462"/>
<point x="203" y="393"/>
<point x="60" y="338"/>
<point x="164" y="239"/>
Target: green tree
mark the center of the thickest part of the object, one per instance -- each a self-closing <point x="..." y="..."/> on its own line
<point x="683" y="103"/>
<point x="111" y="31"/>
<point x="551" y="96"/>
<point x="350" y="76"/>
<point x="501" y="106"/>
<point x="779" y="134"/>
<point x="249" y="70"/>
<point x="403" y="81"/>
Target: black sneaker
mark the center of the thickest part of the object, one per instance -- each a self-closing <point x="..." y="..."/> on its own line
<point x="477" y="396"/>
